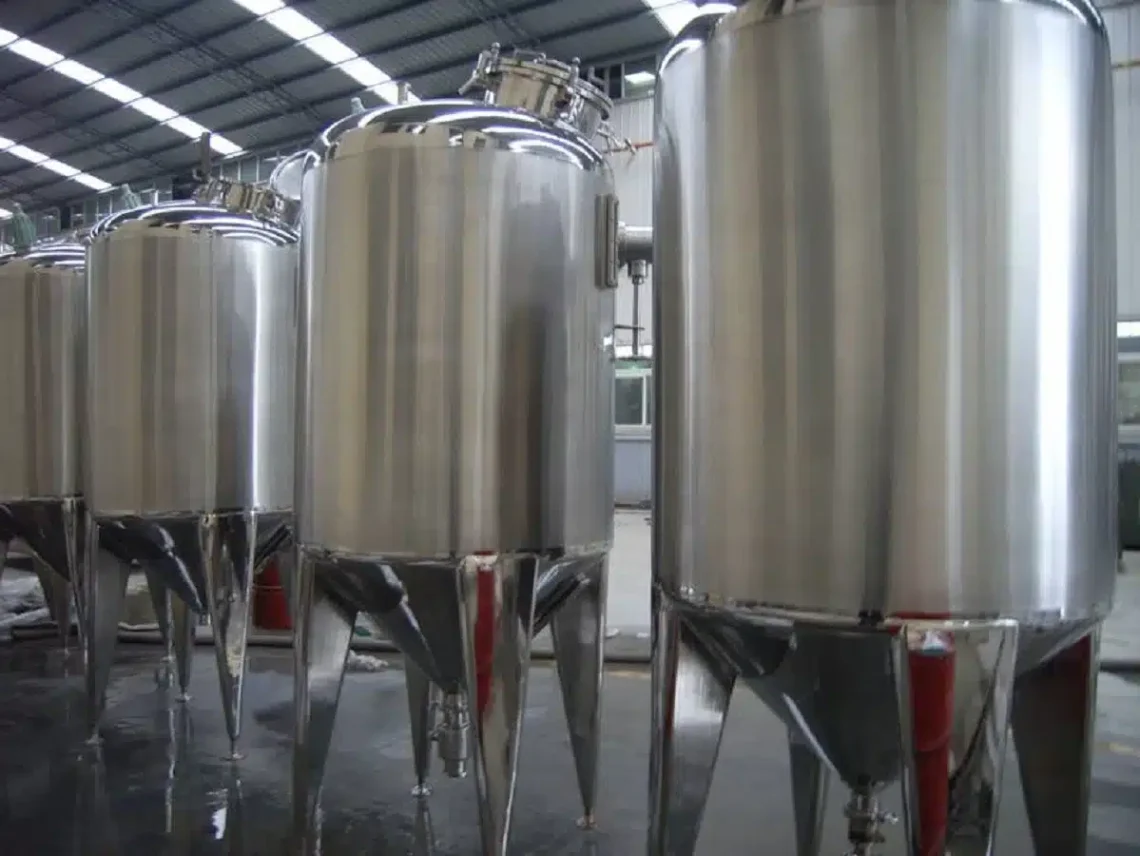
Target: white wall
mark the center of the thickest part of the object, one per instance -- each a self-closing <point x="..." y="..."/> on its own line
<point x="1124" y="39"/>
<point x="633" y="175"/>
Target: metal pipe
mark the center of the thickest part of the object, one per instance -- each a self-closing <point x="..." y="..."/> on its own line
<point x="635" y="244"/>
<point x="637" y="281"/>
<point x="204" y="156"/>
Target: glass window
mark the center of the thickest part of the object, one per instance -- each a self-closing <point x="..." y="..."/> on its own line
<point x="628" y="400"/>
<point x="1129" y="393"/>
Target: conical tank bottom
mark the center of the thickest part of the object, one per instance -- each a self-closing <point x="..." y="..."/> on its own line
<point x="52" y="529"/>
<point x="172" y="548"/>
<point x="208" y="560"/>
<point x="465" y="622"/>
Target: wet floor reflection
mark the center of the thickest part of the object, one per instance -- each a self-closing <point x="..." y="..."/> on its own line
<point x="161" y="781"/>
<point x="161" y="784"/>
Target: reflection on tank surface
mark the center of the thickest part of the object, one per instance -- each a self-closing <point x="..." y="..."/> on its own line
<point x="885" y="373"/>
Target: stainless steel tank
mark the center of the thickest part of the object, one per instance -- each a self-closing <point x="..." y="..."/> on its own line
<point x="42" y="299"/>
<point x="191" y="360"/>
<point x="455" y="415"/>
<point x="885" y="434"/>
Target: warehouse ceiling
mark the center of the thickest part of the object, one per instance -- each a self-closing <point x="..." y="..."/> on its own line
<point x="95" y="93"/>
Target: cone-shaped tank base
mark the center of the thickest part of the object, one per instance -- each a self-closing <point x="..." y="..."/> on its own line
<point x="925" y="702"/>
<point x="160" y="603"/>
<point x="466" y="625"/>
<point x="206" y="563"/>
<point x="1054" y="714"/>
<point x="105" y="587"/>
<point x="53" y="529"/>
<point x="570" y="598"/>
<point x="58" y="597"/>
<point x="423" y="701"/>
<point x="578" y="629"/>
<point x="810" y="780"/>
<point x="691" y="691"/>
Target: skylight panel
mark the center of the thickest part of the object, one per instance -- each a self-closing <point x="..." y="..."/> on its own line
<point x="672" y="14"/>
<point x="127" y="96"/>
<point x="338" y="55"/>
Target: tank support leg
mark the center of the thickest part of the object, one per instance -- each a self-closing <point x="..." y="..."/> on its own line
<point x="578" y="629"/>
<point x="74" y="526"/>
<point x="320" y="648"/>
<point x="421" y="695"/>
<point x="690" y="695"/>
<point x="955" y="688"/>
<point x="57" y="596"/>
<point x="809" y="795"/>
<point x="228" y="543"/>
<point x="106" y="584"/>
<point x="497" y="618"/>
<point x="160" y="602"/>
<point x="183" y="629"/>
<point x="1054" y="713"/>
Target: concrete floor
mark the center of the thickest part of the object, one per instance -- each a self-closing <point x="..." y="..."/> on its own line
<point x="162" y="786"/>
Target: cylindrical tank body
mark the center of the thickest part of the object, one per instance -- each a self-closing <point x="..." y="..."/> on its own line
<point x="192" y="321"/>
<point x="456" y="351"/>
<point x="42" y="316"/>
<point x="886" y="306"/>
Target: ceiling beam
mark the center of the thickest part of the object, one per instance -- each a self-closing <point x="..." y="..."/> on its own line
<point x="353" y="88"/>
<point x="242" y="77"/>
<point x="342" y="96"/>
<point x="102" y="41"/>
<point x="234" y="63"/>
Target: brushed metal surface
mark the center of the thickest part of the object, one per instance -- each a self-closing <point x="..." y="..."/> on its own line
<point x="42" y="318"/>
<point x="192" y="320"/>
<point x="456" y="347"/>
<point x="885" y="311"/>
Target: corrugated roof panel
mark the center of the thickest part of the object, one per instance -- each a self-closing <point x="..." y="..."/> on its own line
<point x="608" y="43"/>
<point x="86" y="159"/>
<point x="112" y="120"/>
<point x="460" y="48"/>
<point x="70" y="143"/>
<point x="194" y="95"/>
<point x="441" y="84"/>
<point x="39" y="87"/>
<point x="406" y="26"/>
<point x="118" y="174"/>
<point x="13" y="66"/>
<point x="25" y="17"/>
<point x="557" y="17"/>
<point x="164" y="72"/>
<point x="126" y="50"/>
<point x="318" y="87"/>
<point x="77" y="33"/>
<point x="250" y="37"/>
<point x="288" y="62"/>
<point x="17" y="124"/>
<point x="207" y="16"/>
<point x="239" y="112"/>
<point x="11" y="167"/>
<point x="153" y="138"/>
<point x="277" y="129"/>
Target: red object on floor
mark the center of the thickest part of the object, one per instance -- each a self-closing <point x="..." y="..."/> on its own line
<point x="932" y="707"/>
<point x="270" y="604"/>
